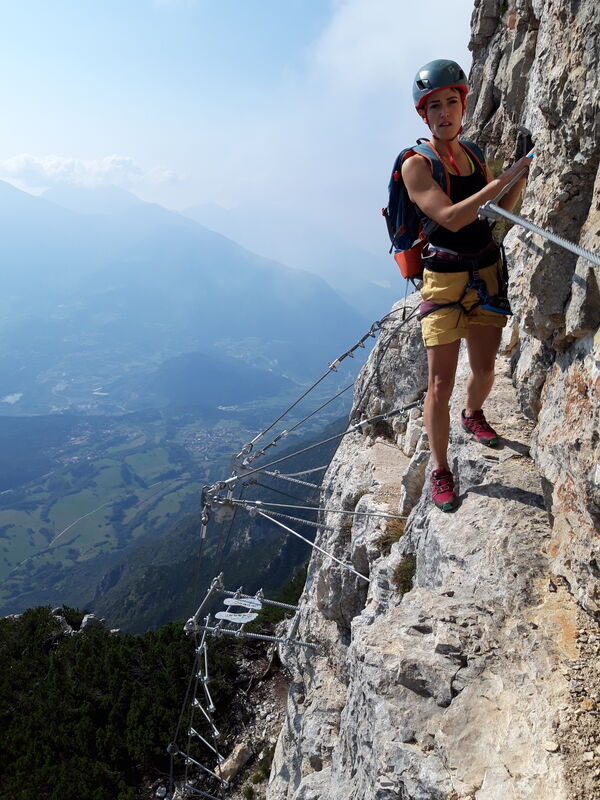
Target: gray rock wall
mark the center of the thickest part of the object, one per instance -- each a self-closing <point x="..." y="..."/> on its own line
<point x="540" y="60"/>
<point x="466" y="669"/>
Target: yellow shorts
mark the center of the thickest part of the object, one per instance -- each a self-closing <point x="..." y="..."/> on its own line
<point x="446" y="325"/>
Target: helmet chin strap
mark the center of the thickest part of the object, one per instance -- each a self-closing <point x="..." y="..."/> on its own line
<point x="450" y="154"/>
<point x="451" y="158"/>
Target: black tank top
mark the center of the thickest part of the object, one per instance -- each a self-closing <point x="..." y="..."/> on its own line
<point x="474" y="236"/>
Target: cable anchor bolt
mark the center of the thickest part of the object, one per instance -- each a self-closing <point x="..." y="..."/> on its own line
<point x="247" y="448"/>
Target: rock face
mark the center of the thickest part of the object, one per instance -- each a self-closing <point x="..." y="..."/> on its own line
<point x="465" y="668"/>
<point x="542" y="60"/>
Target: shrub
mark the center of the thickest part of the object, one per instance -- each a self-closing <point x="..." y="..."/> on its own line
<point x="358" y="495"/>
<point x="404" y="573"/>
<point x="394" y="530"/>
<point x="346" y="529"/>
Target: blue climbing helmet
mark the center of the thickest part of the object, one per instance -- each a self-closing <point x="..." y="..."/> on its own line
<point x="438" y="74"/>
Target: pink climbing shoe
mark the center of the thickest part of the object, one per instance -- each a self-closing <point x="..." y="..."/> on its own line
<point x="442" y="489"/>
<point x="478" y="426"/>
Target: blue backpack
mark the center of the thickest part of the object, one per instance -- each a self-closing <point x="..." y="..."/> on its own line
<point x="408" y="228"/>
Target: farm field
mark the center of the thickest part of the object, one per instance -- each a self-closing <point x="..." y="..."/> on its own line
<point x="95" y="487"/>
<point x="110" y="483"/>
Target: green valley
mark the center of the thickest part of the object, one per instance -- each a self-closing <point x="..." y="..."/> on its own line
<point x="112" y="481"/>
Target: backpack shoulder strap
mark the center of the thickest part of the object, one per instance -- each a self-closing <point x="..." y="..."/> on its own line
<point x="438" y="169"/>
<point x="439" y="174"/>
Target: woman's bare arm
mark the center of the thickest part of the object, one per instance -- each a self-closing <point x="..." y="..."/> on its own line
<point x="436" y="204"/>
<point x="510" y="198"/>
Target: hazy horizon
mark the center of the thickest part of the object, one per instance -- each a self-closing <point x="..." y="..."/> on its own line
<point x="183" y="102"/>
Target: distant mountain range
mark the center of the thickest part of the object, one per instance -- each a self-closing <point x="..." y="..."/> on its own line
<point x="138" y="352"/>
<point x="370" y="282"/>
<point x="196" y="380"/>
<point x="104" y="286"/>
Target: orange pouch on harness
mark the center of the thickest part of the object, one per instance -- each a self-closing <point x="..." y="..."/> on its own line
<point x="411" y="261"/>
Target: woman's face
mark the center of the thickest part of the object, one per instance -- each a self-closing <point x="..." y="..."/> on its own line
<point x="443" y="113"/>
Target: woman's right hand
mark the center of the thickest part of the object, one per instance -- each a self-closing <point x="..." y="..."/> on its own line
<point x="518" y="173"/>
<point x="520" y="166"/>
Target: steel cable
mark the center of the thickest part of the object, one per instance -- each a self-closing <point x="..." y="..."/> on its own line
<point x="274" y="441"/>
<point x="292" y="480"/>
<point x="284" y="494"/>
<point x="332" y="368"/>
<point x="309" y="522"/>
<point x="492" y="211"/>
<point x="304" y="471"/>
<point x="384" y="349"/>
<point x="225" y="542"/>
<point x="353" y="429"/>
<point x="314" y="546"/>
<point x="183" y="708"/>
<point x="261" y="503"/>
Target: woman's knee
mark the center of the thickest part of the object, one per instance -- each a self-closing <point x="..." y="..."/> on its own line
<point x="440" y="388"/>
<point x="483" y="372"/>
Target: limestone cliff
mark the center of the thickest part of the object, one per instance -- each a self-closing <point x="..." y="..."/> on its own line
<point x="466" y="667"/>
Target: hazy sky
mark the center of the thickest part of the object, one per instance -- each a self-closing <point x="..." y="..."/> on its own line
<point x="301" y="104"/>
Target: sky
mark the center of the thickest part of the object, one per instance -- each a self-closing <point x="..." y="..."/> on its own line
<point x="300" y="105"/>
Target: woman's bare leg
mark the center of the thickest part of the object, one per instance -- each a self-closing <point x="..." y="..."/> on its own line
<point x="442" y="360"/>
<point x="483" y="342"/>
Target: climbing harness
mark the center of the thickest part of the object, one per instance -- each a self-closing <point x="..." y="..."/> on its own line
<point x="470" y="263"/>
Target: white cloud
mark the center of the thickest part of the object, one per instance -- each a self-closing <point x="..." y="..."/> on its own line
<point x="377" y="45"/>
<point x="324" y="145"/>
<point x="363" y="46"/>
<point x="41" y="172"/>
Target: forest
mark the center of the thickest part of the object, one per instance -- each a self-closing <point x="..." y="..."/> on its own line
<point x="90" y="714"/>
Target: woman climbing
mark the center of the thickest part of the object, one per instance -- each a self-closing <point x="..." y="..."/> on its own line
<point x="460" y="252"/>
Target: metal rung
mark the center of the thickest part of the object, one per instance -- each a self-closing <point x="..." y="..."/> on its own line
<point x="251" y="603"/>
<point x="238" y="619"/>
<point x="198" y="704"/>
<point x="194" y="732"/>
<point x="190" y="760"/>
<point x="200" y="793"/>
<point x="244" y="635"/>
<point x="263" y="600"/>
